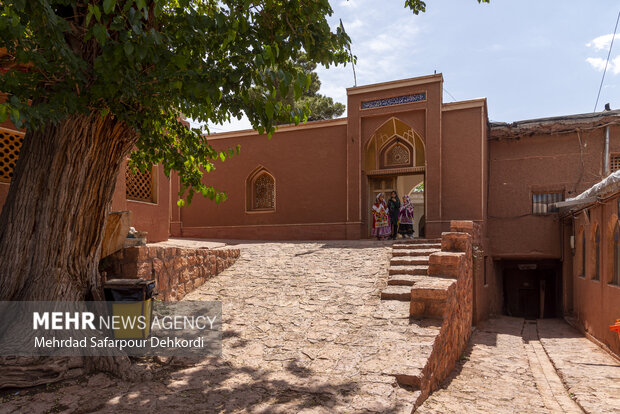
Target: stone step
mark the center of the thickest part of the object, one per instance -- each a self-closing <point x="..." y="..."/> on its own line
<point x="413" y="252"/>
<point x="408" y="270"/>
<point x="409" y="261"/>
<point x="418" y="241"/>
<point x="430" y="297"/>
<point x="404" y="279"/>
<point x="398" y="246"/>
<point x="420" y="281"/>
<point x="402" y="293"/>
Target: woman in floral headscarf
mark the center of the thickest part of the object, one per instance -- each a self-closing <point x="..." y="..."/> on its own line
<point x="380" y="219"/>
<point x="405" y="218"/>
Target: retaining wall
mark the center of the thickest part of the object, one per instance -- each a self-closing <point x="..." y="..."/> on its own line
<point x="177" y="271"/>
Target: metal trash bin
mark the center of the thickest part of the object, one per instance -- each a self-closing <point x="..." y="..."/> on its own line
<point x="129" y="299"/>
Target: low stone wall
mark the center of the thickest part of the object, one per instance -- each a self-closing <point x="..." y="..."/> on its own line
<point x="449" y="296"/>
<point x="177" y="271"/>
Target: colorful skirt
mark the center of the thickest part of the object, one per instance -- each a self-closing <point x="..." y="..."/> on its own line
<point x="381" y="231"/>
<point x="405" y="229"/>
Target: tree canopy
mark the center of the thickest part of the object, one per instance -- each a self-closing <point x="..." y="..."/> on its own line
<point x="147" y="63"/>
<point x="318" y="106"/>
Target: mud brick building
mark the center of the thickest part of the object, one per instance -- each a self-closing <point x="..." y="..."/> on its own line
<point x="318" y="181"/>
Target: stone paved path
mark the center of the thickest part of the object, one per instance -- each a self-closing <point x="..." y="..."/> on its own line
<point x="510" y="367"/>
<point x="305" y="330"/>
<point x="590" y="374"/>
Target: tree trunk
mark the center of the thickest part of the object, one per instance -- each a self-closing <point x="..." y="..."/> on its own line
<point x="52" y="223"/>
<point x="51" y="228"/>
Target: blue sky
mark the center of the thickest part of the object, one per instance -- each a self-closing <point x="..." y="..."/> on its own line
<point x="529" y="58"/>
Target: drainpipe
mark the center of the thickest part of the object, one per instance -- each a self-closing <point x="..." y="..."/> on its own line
<point x="606" y="162"/>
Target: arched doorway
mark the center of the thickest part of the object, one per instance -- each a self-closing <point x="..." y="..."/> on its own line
<point x="395" y="160"/>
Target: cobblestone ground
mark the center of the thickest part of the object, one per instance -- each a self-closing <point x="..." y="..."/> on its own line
<point x="517" y="366"/>
<point x="304" y="331"/>
<point x="591" y="375"/>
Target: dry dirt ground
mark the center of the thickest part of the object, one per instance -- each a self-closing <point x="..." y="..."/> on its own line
<point x="305" y="331"/>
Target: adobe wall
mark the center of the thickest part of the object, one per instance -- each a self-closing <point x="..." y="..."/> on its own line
<point x="309" y="166"/>
<point x="154" y="218"/>
<point x="463" y="164"/>
<point x="425" y="119"/>
<point x="596" y="303"/>
<point x="177" y="271"/>
<point x="448" y="295"/>
<point x="538" y="163"/>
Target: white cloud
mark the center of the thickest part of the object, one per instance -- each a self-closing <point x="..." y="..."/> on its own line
<point x="355" y="24"/>
<point x="348" y="3"/>
<point x="603" y="42"/>
<point x="599" y="64"/>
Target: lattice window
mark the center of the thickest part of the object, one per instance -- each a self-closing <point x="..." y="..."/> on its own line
<point x="542" y="203"/>
<point x="139" y="186"/>
<point x="397" y="155"/>
<point x="264" y="192"/>
<point x="10" y="144"/>
<point x="614" y="162"/>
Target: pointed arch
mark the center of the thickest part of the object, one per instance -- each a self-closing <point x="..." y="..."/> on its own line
<point x="399" y="137"/>
<point x="260" y="191"/>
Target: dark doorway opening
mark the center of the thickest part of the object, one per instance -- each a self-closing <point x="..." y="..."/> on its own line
<point x="532" y="289"/>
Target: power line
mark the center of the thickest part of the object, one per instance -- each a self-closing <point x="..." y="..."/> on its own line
<point x="446" y="91"/>
<point x="607" y="62"/>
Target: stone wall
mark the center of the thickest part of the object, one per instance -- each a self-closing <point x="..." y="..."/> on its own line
<point x="447" y="294"/>
<point x="177" y="271"/>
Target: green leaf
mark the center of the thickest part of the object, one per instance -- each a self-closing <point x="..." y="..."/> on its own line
<point x="180" y="202"/>
<point x="3" y="113"/>
<point x="97" y="12"/>
<point x="269" y="109"/>
<point x="100" y="33"/>
<point x="128" y="49"/>
<point x="108" y="6"/>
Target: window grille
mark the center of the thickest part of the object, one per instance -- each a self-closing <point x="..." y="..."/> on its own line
<point x="139" y="186"/>
<point x="542" y="202"/>
<point x="614" y="162"/>
<point x="264" y="192"/>
<point x="397" y="155"/>
<point x="10" y="144"/>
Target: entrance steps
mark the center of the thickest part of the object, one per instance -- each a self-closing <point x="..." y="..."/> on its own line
<point x="428" y="303"/>
<point x="424" y="288"/>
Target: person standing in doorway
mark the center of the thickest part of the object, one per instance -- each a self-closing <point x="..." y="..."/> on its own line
<point x="394" y="209"/>
<point x="405" y="218"/>
<point x="380" y="219"/>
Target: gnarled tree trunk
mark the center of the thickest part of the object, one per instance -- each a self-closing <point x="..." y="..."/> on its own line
<point x="51" y="226"/>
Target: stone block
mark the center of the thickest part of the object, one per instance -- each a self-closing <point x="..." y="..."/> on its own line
<point x="455" y="242"/>
<point x="144" y="270"/>
<point x="129" y="270"/>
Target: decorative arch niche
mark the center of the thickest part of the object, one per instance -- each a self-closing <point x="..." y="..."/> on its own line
<point x="260" y="191"/>
<point x="394" y="145"/>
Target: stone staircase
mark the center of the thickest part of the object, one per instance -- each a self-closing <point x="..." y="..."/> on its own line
<point x="408" y="266"/>
<point x="430" y="286"/>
